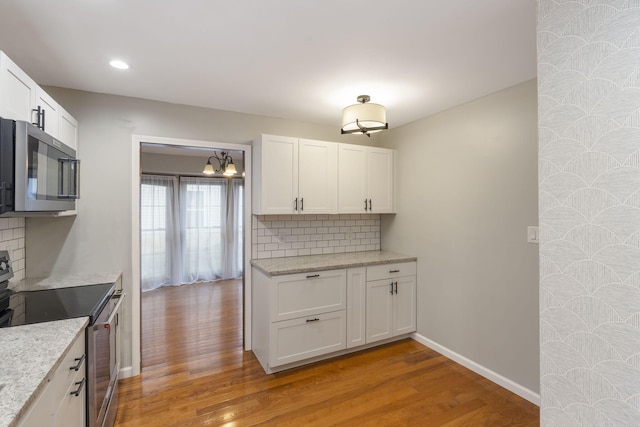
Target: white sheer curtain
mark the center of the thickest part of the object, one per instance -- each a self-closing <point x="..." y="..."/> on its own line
<point x="203" y="203"/>
<point x="191" y="230"/>
<point x="159" y="237"/>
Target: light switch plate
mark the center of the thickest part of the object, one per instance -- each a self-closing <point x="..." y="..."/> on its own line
<point x="533" y="234"/>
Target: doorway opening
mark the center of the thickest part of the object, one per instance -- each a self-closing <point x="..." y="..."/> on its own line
<point x="188" y="231"/>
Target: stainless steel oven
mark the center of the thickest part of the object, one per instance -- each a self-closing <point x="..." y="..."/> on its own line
<point x="103" y="365"/>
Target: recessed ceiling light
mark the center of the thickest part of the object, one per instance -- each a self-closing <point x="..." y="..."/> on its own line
<point x="120" y="65"/>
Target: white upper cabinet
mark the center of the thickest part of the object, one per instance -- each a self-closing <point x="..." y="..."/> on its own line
<point x="294" y="176"/>
<point x="317" y="176"/>
<point x="22" y="99"/>
<point x="49" y="113"/>
<point x="68" y="129"/>
<point x="17" y="91"/>
<point x="366" y="179"/>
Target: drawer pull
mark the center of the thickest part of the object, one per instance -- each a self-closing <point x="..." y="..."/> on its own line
<point x="311" y="276"/>
<point x="313" y="320"/>
<point x="394" y="271"/>
<point x="396" y="288"/>
<point x="79" y="360"/>
<point x="80" y="384"/>
<point x="391" y="291"/>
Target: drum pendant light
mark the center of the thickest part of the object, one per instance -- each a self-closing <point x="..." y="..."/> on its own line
<point x="364" y="117"/>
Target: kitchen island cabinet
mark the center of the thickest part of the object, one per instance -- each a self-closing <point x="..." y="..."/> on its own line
<point x="309" y="308"/>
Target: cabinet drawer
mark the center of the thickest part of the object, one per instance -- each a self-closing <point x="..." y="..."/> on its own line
<point x="298" y="339"/>
<point x="298" y="295"/>
<point x="386" y="271"/>
<point x="65" y="375"/>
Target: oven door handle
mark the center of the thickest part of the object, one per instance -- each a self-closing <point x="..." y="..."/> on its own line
<point x="107" y="324"/>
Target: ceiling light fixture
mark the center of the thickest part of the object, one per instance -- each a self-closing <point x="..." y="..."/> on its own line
<point x="363" y="117"/>
<point x="225" y="163"/>
<point x="120" y="65"/>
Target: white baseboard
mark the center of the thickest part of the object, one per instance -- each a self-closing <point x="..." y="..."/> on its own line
<point x="126" y="372"/>
<point x="514" y="387"/>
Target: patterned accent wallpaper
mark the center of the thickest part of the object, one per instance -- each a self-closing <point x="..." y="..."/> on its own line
<point x="277" y="236"/>
<point x="12" y="240"/>
<point x="589" y="206"/>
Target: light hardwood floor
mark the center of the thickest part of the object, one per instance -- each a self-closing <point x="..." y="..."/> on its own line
<point x="195" y="373"/>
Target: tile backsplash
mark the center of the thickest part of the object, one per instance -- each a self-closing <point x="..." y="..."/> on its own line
<point x="275" y="236"/>
<point x="12" y="239"/>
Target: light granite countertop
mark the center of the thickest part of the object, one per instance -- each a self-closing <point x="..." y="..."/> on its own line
<point x="306" y="264"/>
<point x="63" y="281"/>
<point x="29" y="354"/>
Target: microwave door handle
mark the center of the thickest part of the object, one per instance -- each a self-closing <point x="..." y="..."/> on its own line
<point x="75" y="166"/>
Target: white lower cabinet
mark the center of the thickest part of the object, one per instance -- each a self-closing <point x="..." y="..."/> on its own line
<point x="61" y="403"/>
<point x="305" y="337"/>
<point x="391" y="300"/>
<point x="299" y="318"/>
<point x="356" y="306"/>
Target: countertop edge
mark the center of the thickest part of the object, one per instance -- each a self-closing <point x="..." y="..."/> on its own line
<point x="332" y="266"/>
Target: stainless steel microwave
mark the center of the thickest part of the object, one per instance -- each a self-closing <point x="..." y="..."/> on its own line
<point x="38" y="173"/>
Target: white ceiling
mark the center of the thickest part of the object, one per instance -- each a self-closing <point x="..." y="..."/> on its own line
<point x="294" y="59"/>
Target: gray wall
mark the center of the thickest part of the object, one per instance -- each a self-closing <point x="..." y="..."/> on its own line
<point x="190" y="165"/>
<point x="99" y="238"/>
<point x="589" y="108"/>
<point x="467" y="180"/>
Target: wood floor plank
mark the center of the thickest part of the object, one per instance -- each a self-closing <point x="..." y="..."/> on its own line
<point x="196" y="373"/>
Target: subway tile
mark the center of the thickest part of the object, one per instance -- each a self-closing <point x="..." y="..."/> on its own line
<point x="271" y="247"/>
<point x="4" y="223"/>
<point x="291" y="252"/>
<point x="277" y="254"/>
<point x="327" y="251"/>
<point x="316" y="251"/>
<point x="15" y="223"/>
<point x="303" y="252"/>
<point x="308" y="245"/>
<point x="292" y="224"/>
<point x="322" y="244"/>
<point x="327" y="223"/>
<point x="322" y="230"/>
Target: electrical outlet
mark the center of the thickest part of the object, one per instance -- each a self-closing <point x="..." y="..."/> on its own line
<point x="281" y="236"/>
<point x="533" y="234"/>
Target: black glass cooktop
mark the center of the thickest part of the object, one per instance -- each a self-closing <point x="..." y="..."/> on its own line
<point x="56" y="304"/>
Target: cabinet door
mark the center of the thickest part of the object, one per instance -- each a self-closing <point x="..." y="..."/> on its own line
<point x="404" y="306"/>
<point x="278" y="175"/>
<point x="356" y="306"/>
<point x="306" y="294"/>
<point x="298" y="339"/>
<point x="50" y="113"/>
<point x="68" y="129"/>
<point x="379" y="310"/>
<point x="70" y="412"/>
<point x="17" y="91"/>
<point x="317" y="177"/>
<point x="39" y="412"/>
<point x="380" y="179"/>
<point x="352" y="175"/>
